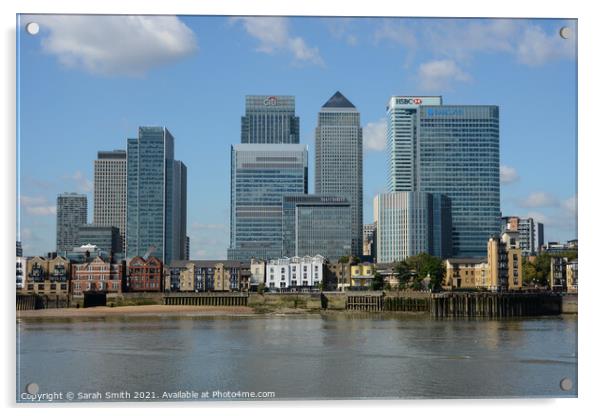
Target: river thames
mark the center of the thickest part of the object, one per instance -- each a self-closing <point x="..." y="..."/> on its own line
<point x="318" y="356"/>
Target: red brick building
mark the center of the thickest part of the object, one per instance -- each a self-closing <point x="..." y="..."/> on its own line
<point x="145" y="275"/>
<point x="97" y="275"/>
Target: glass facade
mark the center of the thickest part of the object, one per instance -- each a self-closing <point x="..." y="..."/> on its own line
<point x="410" y="223"/>
<point x="71" y="212"/>
<point x="153" y="197"/>
<point x="261" y="175"/>
<point x="316" y="225"/>
<point x="339" y="159"/>
<point x="451" y="150"/>
<point x="105" y="238"/>
<point x="269" y="119"/>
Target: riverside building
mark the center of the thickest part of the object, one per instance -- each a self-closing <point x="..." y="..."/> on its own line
<point x="297" y="272"/>
<point x="451" y="150"/>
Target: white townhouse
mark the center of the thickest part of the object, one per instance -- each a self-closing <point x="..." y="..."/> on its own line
<point x="292" y="272"/>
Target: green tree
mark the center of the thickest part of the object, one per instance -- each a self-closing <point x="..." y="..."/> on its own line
<point x="344" y="259"/>
<point x="377" y="282"/>
<point x="424" y="265"/>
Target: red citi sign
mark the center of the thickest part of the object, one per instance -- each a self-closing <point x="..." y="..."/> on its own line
<point x="416" y="101"/>
<point x="270" y="101"/>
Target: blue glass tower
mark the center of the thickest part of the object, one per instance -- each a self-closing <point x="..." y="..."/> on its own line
<point x="261" y="175"/>
<point x="154" y="195"/>
<point x="451" y="150"/>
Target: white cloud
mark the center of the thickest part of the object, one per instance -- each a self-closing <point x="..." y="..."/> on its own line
<point x="439" y="75"/>
<point x="396" y="31"/>
<point x="115" y="45"/>
<point x="539" y="199"/>
<point x="537" y="48"/>
<point x="80" y="181"/>
<point x="37" y="205"/>
<point x="570" y="205"/>
<point x="508" y="174"/>
<point x="274" y="36"/>
<point x="339" y="27"/>
<point x="375" y="135"/>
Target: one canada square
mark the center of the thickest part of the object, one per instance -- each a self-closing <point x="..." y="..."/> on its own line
<point x="267" y="165"/>
<point x="339" y="159"/>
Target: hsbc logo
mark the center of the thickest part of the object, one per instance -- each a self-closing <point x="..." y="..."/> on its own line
<point x="405" y="101"/>
<point x="270" y="101"/>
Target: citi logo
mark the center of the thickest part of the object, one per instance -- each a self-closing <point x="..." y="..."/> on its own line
<point x="269" y="101"/>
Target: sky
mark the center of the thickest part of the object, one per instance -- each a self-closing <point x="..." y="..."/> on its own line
<point x="85" y="83"/>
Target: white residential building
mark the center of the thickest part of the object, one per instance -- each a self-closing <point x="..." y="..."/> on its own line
<point x="294" y="272"/>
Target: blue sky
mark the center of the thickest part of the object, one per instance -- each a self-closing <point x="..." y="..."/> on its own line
<point x="87" y="82"/>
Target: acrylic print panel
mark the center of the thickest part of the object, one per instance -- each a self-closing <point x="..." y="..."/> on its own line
<point x="273" y="208"/>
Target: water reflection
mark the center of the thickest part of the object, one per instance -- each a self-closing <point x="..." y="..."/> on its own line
<point x="316" y="356"/>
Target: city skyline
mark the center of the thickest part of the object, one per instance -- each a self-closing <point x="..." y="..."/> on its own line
<point x="536" y="120"/>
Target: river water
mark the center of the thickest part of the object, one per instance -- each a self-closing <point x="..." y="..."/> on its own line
<point x="328" y="356"/>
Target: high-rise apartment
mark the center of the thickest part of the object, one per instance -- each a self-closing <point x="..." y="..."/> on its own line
<point x="339" y="159"/>
<point x="71" y="212"/>
<point x="261" y="175"/>
<point x="110" y="187"/>
<point x="451" y="150"/>
<point x="155" y="196"/>
<point x="531" y="236"/>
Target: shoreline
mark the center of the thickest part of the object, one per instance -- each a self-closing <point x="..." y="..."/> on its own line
<point x="165" y="310"/>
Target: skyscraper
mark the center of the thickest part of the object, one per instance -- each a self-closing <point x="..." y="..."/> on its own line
<point x="154" y="196"/>
<point x="180" y="209"/>
<point x="261" y="175"/>
<point x="410" y="223"/>
<point x="531" y="236"/>
<point x="316" y="225"/>
<point x="269" y="119"/>
<point x="339" y="159"/>
<point x="71" y="212"/>
<point x="110" y="186"/>
<point x="451" y="150"/>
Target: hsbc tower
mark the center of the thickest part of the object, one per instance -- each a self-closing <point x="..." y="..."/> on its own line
<point x="451" y="150"/>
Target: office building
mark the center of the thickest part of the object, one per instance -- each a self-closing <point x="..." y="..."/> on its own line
<point x="408" y="224"/>
<point x="531" y="233"/>
<point x="451" y="150"/>
<point x="106" y="238"/>
<point x="110" y="188"/>
<point x="269" y="119"/>
<point x="316" y="225"/>
<point x="369" y="238"/>
<point x="156" y="196"/>
<point x="339" y="159"/>
<point x="71" y="212"/>
<point x="261" y="175"/>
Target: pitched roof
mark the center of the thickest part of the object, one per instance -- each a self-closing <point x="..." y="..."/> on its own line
<point x="338" y="100"/>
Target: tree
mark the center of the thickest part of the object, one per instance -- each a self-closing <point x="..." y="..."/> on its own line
<point x="377" y="282"/>
<point x="344" y="259"/>
<point x="424" y="265"/>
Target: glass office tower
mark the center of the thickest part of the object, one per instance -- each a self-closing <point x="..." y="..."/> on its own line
<point x="154" y="196"/>
<point x="339" y="159"/>
<point x="71" y="212"/>
<point x="451" y="150"/>
<point x="110" y="186"/>
<point x="410" y="223"/>
<point x="316" y="224"/>
<point x="269" y="119"/>
<point x="261" y="175"/>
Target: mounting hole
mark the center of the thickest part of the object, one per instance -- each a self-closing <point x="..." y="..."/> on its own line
<point x="566" y="384"/>
<point x="32" y="388"/>
<point x="565" y="32"/>
<point x="32" y="28"/>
